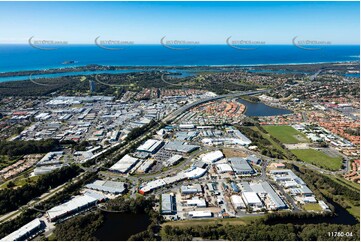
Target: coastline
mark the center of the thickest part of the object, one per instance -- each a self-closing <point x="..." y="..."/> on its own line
<point x="93" y="67"/>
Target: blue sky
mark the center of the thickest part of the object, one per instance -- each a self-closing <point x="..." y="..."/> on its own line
<point x="205" y="22"/>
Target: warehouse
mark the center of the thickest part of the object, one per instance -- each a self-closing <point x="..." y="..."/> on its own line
<point x="200" y="164"/>
<point x="114" y="136"/>
<point x="225" y="141"/>
<point x="290" y="181"/>
<point x="211" y="187"/>
<point x="46" y="169"/>
<point x="241" y="166"/>
<point x="187" y="126"/>
<point x="173" y="160"/>
<point x="168" y="205"/>
<point x="124" y="164"/>
<point x="251" y="199"/>
<point x="150" y="186"/>
<point x="200" y="214"/>
<point x="223" y="168"/>
<point x="245" y="141"/>
<point x="237" y="202"/>
<point x="150" y="146"/>
<point x="180" y="146"/>
<point x="212" y="156"/>
<point x="276" y="201"/>
<point x="197" y="202"/>
<point x="301" y="190"/>
<point x="27" y="231"/>
<point x="245" y="186"/>
<point x="186" y="135"/>
<point x="51" y="158"/>
<point x="191" y="189"/>
<point x="176" y="178"/>
<point x="107" y="186"/>
<point x="75" y="205"/>
<point x="254" y="159"/>
<point x="145" y="167"/>
<point x="195" y="172"/>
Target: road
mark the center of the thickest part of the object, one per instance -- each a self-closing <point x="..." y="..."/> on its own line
<point x="93" y="168"/>
<point x="313" y="77"/>
<point x="186" y="107"/>
<point x="42" y="198"/>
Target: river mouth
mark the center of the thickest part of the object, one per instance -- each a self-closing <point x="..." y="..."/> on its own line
<point x="120" y="226"/>
<point x="260" y="109"/>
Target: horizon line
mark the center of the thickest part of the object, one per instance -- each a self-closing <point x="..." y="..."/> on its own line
<point x="225" y="44"/>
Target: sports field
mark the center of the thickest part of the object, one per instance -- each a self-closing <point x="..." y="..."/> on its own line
<point x="286" y="134"/>
<point x="319" y="159"/>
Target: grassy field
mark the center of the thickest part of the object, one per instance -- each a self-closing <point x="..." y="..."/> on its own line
<point x="286" y="134"/>
<point x="319" y="159"/>
<point x="312" y="207"/>
<point x="273" y="143"/>
<point x="21" y="179"/>
<point x="6" y="161"/>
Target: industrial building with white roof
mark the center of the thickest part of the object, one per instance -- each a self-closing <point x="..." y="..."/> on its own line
<point x="150" y="146"/>
<point x="75" y="205"/>
<point x="124" y="164"/>
<point x="107" y="186"/>
<point x="241" y="166"/>
<point x="25" y="232"/>
<point x="212" y="157"/>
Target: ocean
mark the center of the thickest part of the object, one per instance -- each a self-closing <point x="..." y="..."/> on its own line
<point x="25" y="57"/>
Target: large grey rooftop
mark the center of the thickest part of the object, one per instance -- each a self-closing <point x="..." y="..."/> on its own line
<point x="240" y="165"/>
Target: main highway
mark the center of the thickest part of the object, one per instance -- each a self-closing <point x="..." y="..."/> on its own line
<point x="170" y="117"/>
<point x="186" y="107"/>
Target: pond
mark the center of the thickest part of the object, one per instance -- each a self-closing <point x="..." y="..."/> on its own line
<point x="261" y="109"/>
<point x="120" y="226"/>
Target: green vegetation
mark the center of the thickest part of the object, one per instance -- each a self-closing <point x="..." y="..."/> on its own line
<point x="136" y="132"/>
<point x="6" y="160"/>
<point x="117" y="84"/>
<point x="84" y="227"/>
<point x="65" y="194"/>
<point x="202" y="222"/>
<point x="319" y="159"/>
<point x="20" y="147"/>
<point x="21" y="180"/>
<point x="71" y="189"/>
<point x="258" y="230"/>
<point x="123" y="205"/>
<point x="312" y="207"/>
<point x="344" y="182"/>
<point x="80" y="228"/>
<point x="252" y="99"/>
<point x="324" y="186"/>
<point x="14" y="224"/>
<point x="265" y="144"/>
<point x="351" y="131"/>
<point x="286" y="134"/>
<point x="11" y="199"/>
